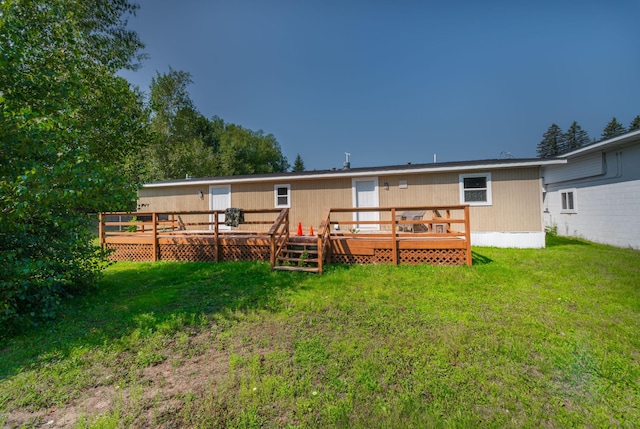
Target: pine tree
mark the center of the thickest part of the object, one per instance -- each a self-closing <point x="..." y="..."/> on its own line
<point x="552" y="142"/>
<point x="575" y="138"/>
<point x="635" y="124"/>
<point x="613" y="129"/>
<point x="298" y="164"/>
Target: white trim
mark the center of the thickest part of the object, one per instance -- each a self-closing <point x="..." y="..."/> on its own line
<point x="376" y="201"/>
<point x="621" y="139"/>
<point x="487" y="177"/>
<point x="574" y="201"/>
<point x="221" y="226"/>
<point x="518" y="240"/>
<point x="275" y="196"/>
<point x="363" y="174"/>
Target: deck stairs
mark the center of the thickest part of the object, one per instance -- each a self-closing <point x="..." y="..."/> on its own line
<point x="300" y="254"/>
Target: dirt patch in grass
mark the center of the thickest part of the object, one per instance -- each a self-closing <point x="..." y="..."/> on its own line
<point x="154" y="396"/>
<point x="155" y="393"/>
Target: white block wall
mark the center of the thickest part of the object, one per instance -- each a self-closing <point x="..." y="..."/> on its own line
<point x="607" y="213"/>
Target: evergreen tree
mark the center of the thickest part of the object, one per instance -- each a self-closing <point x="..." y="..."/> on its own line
<point x="635" y="124"/>
<point x="575" y="138"/>
<point x="613" y="129"/>
<point x="298" y="164"/>
<point x="552" y="142"/>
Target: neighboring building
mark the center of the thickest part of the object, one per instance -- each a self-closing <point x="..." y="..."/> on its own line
<point x="596" y="194"/>
<point x="505" y="195"/>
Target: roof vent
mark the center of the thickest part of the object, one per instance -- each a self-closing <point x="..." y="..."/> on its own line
<point x="346" y="165"/>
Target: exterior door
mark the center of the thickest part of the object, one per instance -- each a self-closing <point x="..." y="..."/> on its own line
<point x="219" y="199"/>
<point x="365" y="194"/>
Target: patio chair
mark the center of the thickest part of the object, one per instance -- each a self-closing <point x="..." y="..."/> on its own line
<point x="412" y="215"/>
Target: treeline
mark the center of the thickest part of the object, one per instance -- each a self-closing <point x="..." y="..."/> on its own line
<point x="555" y="141"/>
<point x="186" y="143"/>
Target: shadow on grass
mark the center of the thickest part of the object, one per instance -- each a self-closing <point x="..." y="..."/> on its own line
<point x="556" y="240"/>
<point x="149" y="297"/>
<point x="478" y="259"/>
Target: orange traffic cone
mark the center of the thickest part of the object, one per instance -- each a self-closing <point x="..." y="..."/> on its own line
<point x="300" y="228"/>
<point x="311" y="230"/>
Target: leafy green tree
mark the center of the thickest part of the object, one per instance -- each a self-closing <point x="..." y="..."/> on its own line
<point x="70" y="128"/>
<point x="243" y="151"/>
<point x="613" y="129"/>
<point x="635" y="124"/>
<point x="552" y="142"/>
<point x="575" y="138"/>
<point x="298" y="164"/>
<point x="185" y="142"/>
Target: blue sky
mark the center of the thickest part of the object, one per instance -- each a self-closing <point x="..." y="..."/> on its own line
<point x="393" y="82"/>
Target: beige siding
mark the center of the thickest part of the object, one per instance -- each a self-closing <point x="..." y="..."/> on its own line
<point x="176" y="198"/>
<point x="516" y="202"/>
<point x="517" y="195"/>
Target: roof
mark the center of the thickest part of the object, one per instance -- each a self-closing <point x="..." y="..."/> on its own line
<point x="440" y="167"/>
<point x="621" y="140"/>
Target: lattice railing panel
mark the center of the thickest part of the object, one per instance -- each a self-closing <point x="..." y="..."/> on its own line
<point x="338" y="258"/>
<point x="382" y="256"/>
<point x="432" y="256"/>
<point x="187" y="252"/>
<point x="130" y="252"/>
<point x="244" y="253"/>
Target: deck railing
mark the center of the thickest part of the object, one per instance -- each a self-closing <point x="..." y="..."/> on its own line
<point x="417" y="234"/>
<point x="153" y="229"/>
<point x="437" y="224"/>
<point x="279" y="236"/>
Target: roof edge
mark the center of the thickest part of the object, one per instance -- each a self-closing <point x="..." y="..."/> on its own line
<point x="329" y="174"/>
<point x="618" y="140"/>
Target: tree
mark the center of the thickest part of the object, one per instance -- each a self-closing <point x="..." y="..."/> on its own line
<point x="185" y="142"/>
<point x="552" y="142"/>
<point x="574" y="138"/>
<point x="298" y="164"/>
<point x="243" y="151"/>
<point x="70" y="127"/>
<point x="613" y="129"/>
<point x="635" y="124"/>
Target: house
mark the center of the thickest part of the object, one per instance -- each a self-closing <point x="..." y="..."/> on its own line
<point x="504" y="195"/>
<point x="596" y="194"/>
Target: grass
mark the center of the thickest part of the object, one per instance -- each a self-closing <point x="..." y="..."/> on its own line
<point x="525" y="338"/>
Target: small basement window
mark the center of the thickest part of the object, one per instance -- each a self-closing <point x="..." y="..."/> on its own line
<point x="282" y="196"/>
<point x="568" y="201"/>
<point x="475" y="189"/>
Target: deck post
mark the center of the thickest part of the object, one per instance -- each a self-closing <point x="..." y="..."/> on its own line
<point x="467" y="235"/>
<point x="154" y="219"/>
<point x="101" y="230"/>
<point x="216" y="237"/>
<point x="394" y="237"/>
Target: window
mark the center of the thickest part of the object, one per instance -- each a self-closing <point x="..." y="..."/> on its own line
<point x="282" y="196"/>
<point x="475" y="189"/>
<point x="568" y="201"/>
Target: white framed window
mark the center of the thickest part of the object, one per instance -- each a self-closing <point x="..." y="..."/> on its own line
<point x="475" y="189"/>
<point x="282" y="196"/>
<point x="568" y="201"/>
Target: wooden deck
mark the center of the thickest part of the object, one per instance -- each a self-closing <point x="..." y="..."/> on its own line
<point x="441" y="237"/>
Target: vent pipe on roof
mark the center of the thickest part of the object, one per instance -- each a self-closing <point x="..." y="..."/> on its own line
<point x="346" y="165"/>
<point x="435" y="158"/>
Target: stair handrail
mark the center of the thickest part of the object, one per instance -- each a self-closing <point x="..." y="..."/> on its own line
<point x="279" y="235"/>
<point x="324" y="239"/>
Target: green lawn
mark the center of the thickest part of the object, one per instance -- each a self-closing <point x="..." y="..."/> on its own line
<point x="524" y="338"/>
